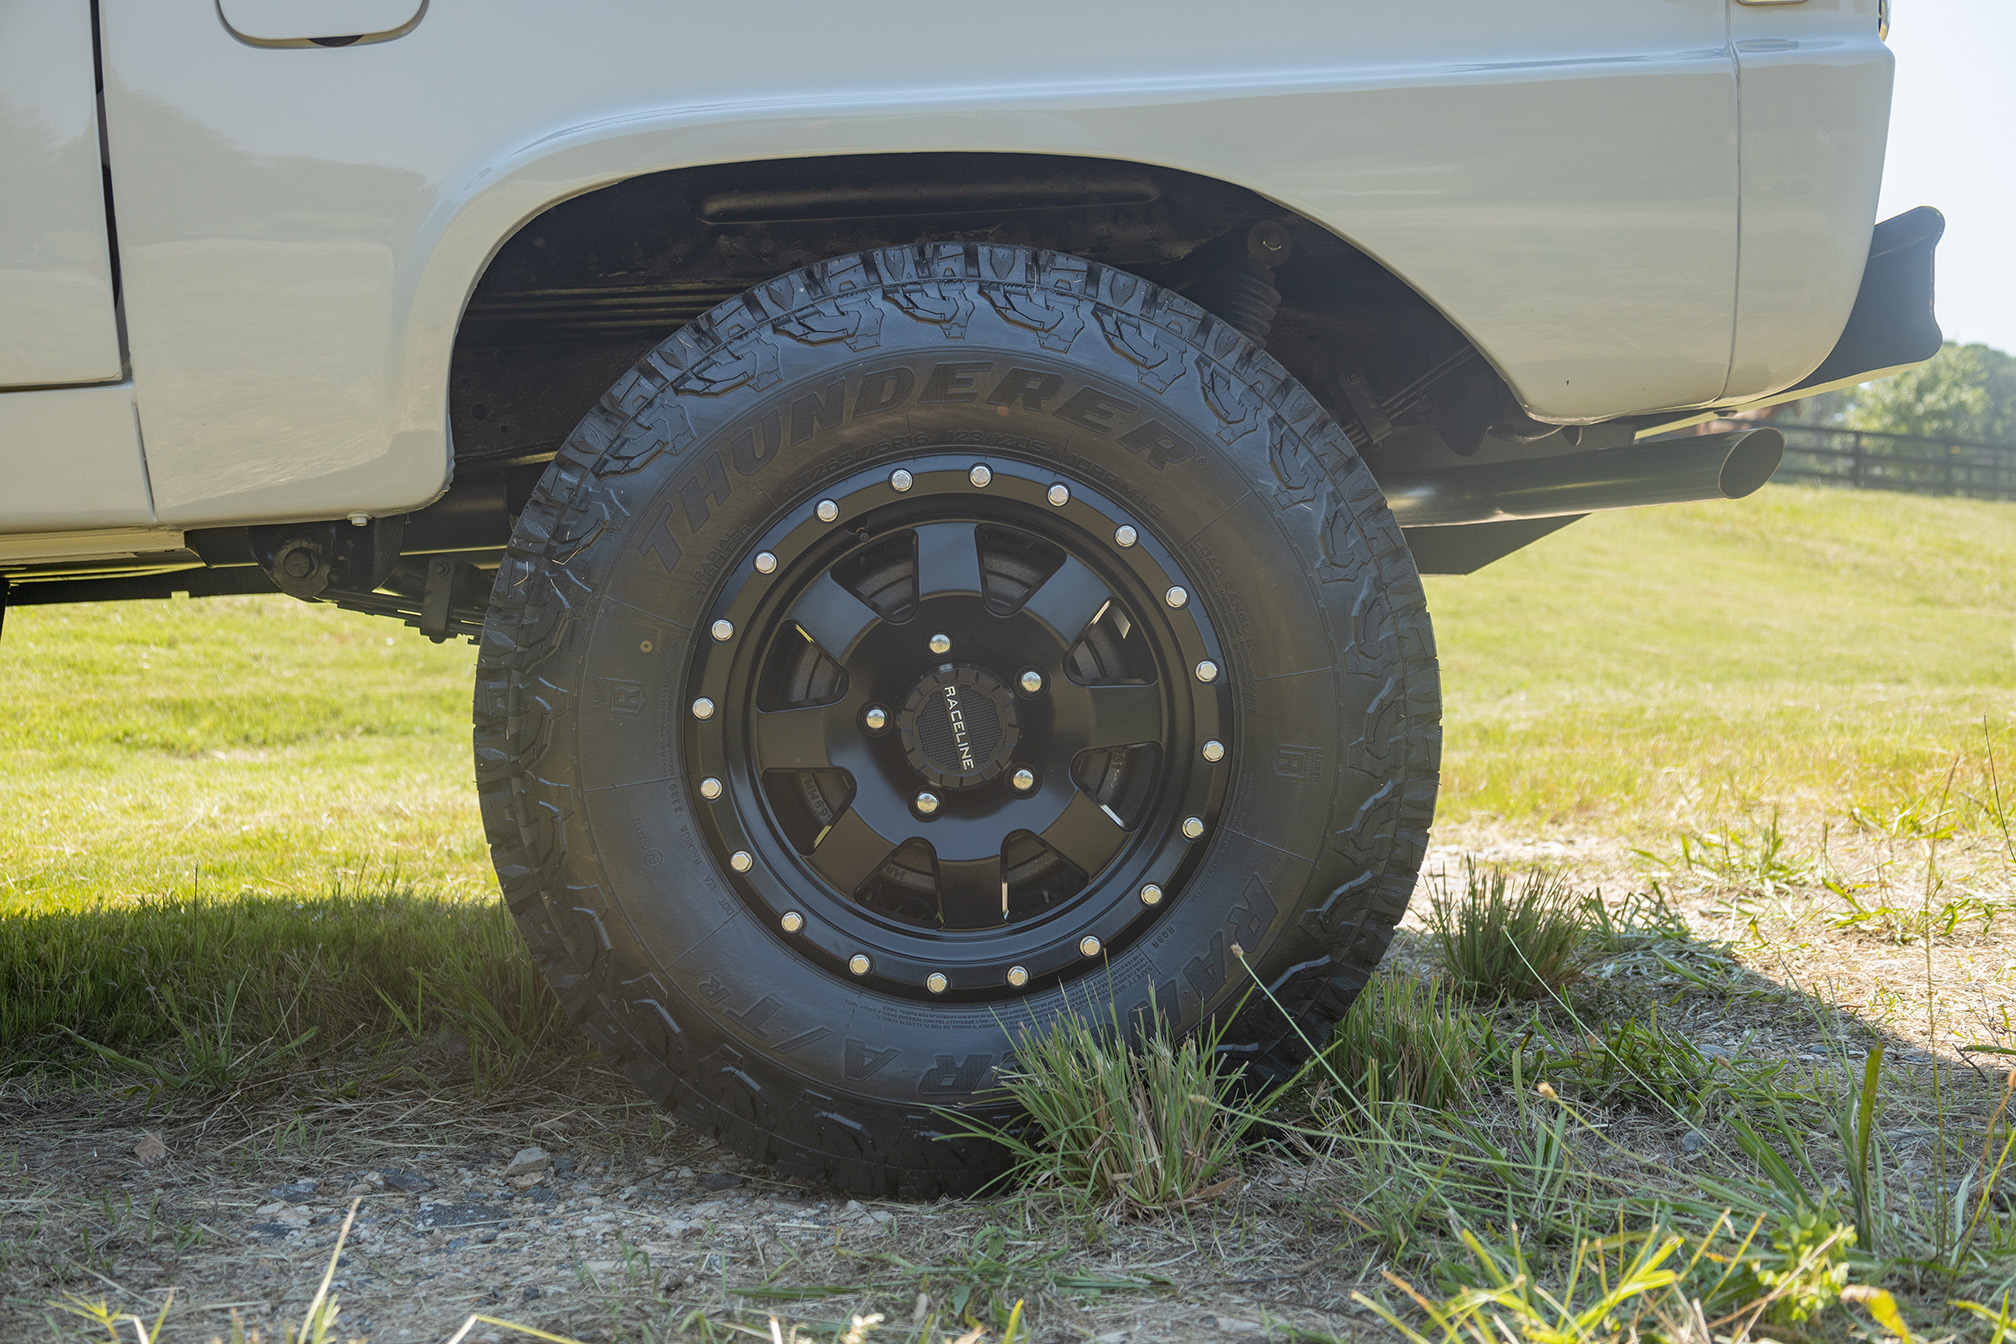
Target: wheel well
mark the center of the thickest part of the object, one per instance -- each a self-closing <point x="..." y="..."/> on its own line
<point x="585" y="288"/>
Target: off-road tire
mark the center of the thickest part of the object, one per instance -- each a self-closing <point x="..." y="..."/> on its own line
<point x="585" y="728"/>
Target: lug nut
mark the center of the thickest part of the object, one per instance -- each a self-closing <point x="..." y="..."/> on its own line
<point x="766" y="562"/>
<point x="1151" y="895"/>
<point x="1176" y="597"/>
<point x="791" y="922"/>
<point x="1193" y="827"/>
<point x="900" y="480"/>
<point x="723" y="631"/>
<point x="1214" y="751"/>
<point x="1207" y="671"/>
<point x="927" y="803"/>
<point x="1059" y="495"/>
<point x="980" y="476"/>
<point x="1032" y="682"/>
<point x="1023" y="779"/>
<point x="740" y="861"/>
<point x="936" y="982"/>
<point x="827" y="510"/>
<point x="710" y="788"/>
<point x="703" y="708"/>
<point x="877" y="718"/>
<point x="1125" y="536"/>
<point x="1088" y="946"/>
<point x="1018" y="976"/>
<point x="858" y="963"/>
<point x="940" y="643"/>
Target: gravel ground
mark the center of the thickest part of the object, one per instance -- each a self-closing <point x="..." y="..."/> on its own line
<point x="572" y="1206"/>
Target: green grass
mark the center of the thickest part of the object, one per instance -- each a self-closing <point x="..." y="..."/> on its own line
<point x="1821" y="649"/>
<point x="231" y="744"/>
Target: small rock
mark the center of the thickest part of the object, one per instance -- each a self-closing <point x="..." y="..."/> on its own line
<point x="529" y="1160"/>
<point x="683" y="1227"/>
<point x="456" y="1243"/>
<point x="540" y="1195"/>
<point x="531" y="1295"/>
<point x="298" y="1192"/>
<point x="411" y="1182"/>
<point x="527" y="1181"/>
<point x="1693" y="1141"/>
<point x="150" y="1149"/>
<point x="852" y="1209"/>
<point x="1715" y="1052"/>
<point x="451" y="1044"/>
<point x="720" y="1180"/>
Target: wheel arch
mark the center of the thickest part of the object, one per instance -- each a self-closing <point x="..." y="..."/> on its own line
<point x="600" y="274"/>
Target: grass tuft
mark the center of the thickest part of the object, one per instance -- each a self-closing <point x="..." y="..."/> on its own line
<point x="1407" y="1042"/>
<point x="1508" y="938"/>
<point x="1134" y="1128"/>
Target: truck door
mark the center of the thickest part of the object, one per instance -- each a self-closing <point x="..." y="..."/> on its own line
<point x="57" y="322"/>
<point x="69" y="432"/>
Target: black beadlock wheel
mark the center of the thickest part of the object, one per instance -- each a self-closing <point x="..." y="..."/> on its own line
<point x="926" y="644"/>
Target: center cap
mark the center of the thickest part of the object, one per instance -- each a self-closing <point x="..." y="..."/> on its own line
<point x="959" y="727"/>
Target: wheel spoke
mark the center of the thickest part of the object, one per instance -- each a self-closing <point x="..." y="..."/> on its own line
<point x="833" y="617"/>
<point x="948" y="560"/>
<point x="970" y="893"/>
<point x="1068" y="600"/>
<point x="1111" y="716"/>
<point x="794" y="739"/>
<point x="1085" y="833"/>
<point x="850" y="851"/>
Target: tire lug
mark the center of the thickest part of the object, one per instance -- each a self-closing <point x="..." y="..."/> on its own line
<point x="1088" y="946"/>
<point x="740" y="861"/>
<point x="723" y="631"/>
<point x="940" y="644"/>
<point x="703" y="708"/>
<point x="1176" y="597"/>
<point x="858" y="963"/>
<point x="1151" y="895"/>
<point x="1125" y="536"/>
<point x="1059" y="495"/>
<point x="1193" y="827"/>
<point x="927" y="803"/>
<point x="1018" y="976"/>
<point x="1032" y="682"/>
<point x="766" y="562"/>
<point x="901" y="480"/>
<point x="710" y="788"/>
<point x="827" y="510"/>
<point x="980" y="475"/>
<point x="1207" y="671"/>
<point x="877" y="718"/>
<point x="1214" y="751"/>
<point x="1023" y="780"/>
<point x="791" y="922"/>
<point x="937" y="983"/>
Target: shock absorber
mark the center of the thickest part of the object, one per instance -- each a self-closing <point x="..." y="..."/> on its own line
<point x="1240" y="289"/>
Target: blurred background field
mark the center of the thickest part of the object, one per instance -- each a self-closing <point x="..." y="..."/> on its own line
<point x="1810" y="649"/>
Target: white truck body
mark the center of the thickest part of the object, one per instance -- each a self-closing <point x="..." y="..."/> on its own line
<point x="1626" y="205"/>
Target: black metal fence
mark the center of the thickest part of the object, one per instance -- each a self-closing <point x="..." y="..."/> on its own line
<point x="1868" y="460"/>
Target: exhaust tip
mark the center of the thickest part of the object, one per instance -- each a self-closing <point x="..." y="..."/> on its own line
<point x="1752" y="459"/>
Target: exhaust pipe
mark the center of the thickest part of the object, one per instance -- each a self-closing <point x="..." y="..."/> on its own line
<point x="1664" y="471"/>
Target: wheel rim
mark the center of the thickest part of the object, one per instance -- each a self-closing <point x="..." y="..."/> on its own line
<point x="955" y="725"/>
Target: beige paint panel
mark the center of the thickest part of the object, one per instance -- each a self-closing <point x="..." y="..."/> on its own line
<point x="70" y="460"/>
<point x="57" y="323"/>
<point x="301" y="227"/>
